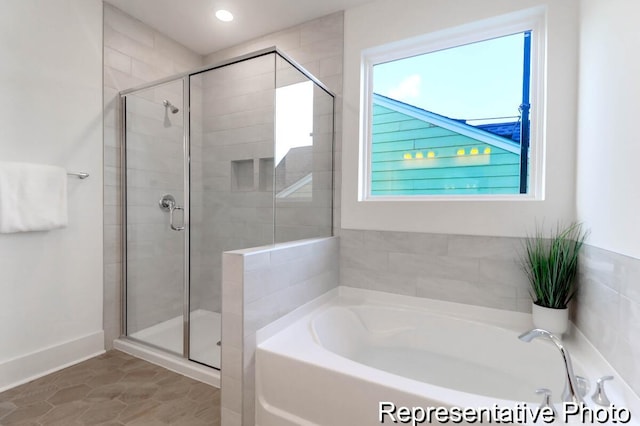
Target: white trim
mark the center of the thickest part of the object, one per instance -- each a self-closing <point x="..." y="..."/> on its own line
<point x="45" y="361"/>
<point x="366" y="120"/>
<point x="481" y="30"/>
<point x="533" y="20"/>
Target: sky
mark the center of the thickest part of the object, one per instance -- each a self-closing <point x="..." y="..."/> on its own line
<point x="294" y="118"/>
<point x="475" y="81"/>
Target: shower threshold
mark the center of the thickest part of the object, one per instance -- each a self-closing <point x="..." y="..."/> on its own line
<point x="205" y="333"/>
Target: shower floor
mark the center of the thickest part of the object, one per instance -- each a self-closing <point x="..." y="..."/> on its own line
<point x="205" y="334"/>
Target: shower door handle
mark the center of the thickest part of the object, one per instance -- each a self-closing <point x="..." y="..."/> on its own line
<point x="171" y="210"/>
<point x="168" y="204"/>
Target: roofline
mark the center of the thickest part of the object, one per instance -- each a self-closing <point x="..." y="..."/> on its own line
<point x="447" y="123"/>
<point x="295" y="186"/>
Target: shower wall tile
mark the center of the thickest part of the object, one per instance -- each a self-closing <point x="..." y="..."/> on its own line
<point x="182" y="58"/>
<point x="474" y="270"/>
<point x="233" y="120"/>
<point x="118" y="80"/>
<point x="112" y="301"/>
<point x="112" y="242"/>
<point x="143" y="71"/>
<point x="230" y="418"/>
<point x="135" y="53"/>
<point x="115" y="215"/>
<point x="265" y="283"/>
<point x="233" y="214"/>
<point x="128" y="26"/>
<point x="232" y="387"/>
<point x="607" y="309"/>
<point x="318" y="46"/>
<point x="116" y="60"/>
<point x="111" y="156"/>
<point x="252" y="82"/>
<point x="125" y="44"/>
<point x="239" y="104"/>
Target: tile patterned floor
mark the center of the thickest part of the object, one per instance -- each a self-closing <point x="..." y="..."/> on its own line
<point x="112" y="389"/>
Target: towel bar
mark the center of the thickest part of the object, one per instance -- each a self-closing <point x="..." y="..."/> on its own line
<point x="81" y="175"/>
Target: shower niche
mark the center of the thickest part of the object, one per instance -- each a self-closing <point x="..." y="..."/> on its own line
<point x="252" y="174"/>
<point x="245" y="148"/>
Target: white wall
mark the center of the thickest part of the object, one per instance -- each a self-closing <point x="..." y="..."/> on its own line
<point x="51" y="112"/>
<point x="386" y="21"/>
<point x="608" y="199"/>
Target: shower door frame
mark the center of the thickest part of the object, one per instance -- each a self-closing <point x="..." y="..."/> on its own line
<point x="186" y="85"/>
<point x="186" y="146"/>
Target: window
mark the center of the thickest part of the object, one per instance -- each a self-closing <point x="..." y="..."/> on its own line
<point x="451" y="116"/>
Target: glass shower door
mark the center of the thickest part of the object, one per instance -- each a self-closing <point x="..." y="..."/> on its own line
<point x="156" y="229"/>
<point x="303" y="156"/>
<point x="231" y="130"/>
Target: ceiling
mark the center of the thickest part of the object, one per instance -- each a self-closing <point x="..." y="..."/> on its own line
<point x="191" y="22"/>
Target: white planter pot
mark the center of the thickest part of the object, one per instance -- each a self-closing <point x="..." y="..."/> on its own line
<point x="555" y="321"/>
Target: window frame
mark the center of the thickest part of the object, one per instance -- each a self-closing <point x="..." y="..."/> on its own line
<point x="531" y="20"/>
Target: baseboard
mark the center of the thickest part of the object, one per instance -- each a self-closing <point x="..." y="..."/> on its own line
<point x="31" y="366"/>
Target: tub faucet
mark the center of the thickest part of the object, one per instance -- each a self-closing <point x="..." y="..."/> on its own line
<point x="573" y="394"/>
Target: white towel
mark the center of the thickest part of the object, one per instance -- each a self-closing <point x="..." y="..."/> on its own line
<point x="33" y="197"/>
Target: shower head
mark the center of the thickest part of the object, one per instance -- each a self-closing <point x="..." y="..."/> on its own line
<point x="169" y="105"/>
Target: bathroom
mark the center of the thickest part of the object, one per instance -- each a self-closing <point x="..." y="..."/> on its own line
<point x="62" y="70"/>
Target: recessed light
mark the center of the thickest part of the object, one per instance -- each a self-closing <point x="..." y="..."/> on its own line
<point x="224" y="15"/>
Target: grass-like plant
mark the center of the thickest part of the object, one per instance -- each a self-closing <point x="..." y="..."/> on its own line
<point x="551" y="264"/>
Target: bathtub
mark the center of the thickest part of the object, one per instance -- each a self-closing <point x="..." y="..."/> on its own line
<point x="355" y="355"/>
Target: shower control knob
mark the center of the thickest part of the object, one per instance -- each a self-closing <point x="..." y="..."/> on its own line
<point x="167" y="202"/>
<point x="583" y="388"/>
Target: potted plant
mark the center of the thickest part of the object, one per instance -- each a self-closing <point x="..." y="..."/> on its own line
<point x="551" y="264"/>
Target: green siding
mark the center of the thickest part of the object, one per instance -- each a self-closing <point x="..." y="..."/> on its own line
<point x="395" y="135"/>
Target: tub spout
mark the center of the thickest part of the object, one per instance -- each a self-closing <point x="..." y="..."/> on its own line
<point x="573" y="394"/>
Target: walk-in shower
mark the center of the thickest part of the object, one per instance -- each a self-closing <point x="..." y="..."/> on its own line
<point x="244" y="159"/>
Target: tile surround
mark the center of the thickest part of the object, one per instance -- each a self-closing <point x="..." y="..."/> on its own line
<point x="482" y="271"/>
<point x="229" y="213"/>
<point x="134" y="54"/>
<point x="259" y="286"/>
<point x="318" y="47"/>
<point x="607" y="309"/>
<point x="486" y="271"/>
<point x="130" y="60"/>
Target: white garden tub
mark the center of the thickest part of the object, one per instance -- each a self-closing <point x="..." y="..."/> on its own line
<point x="336" y="360"/>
